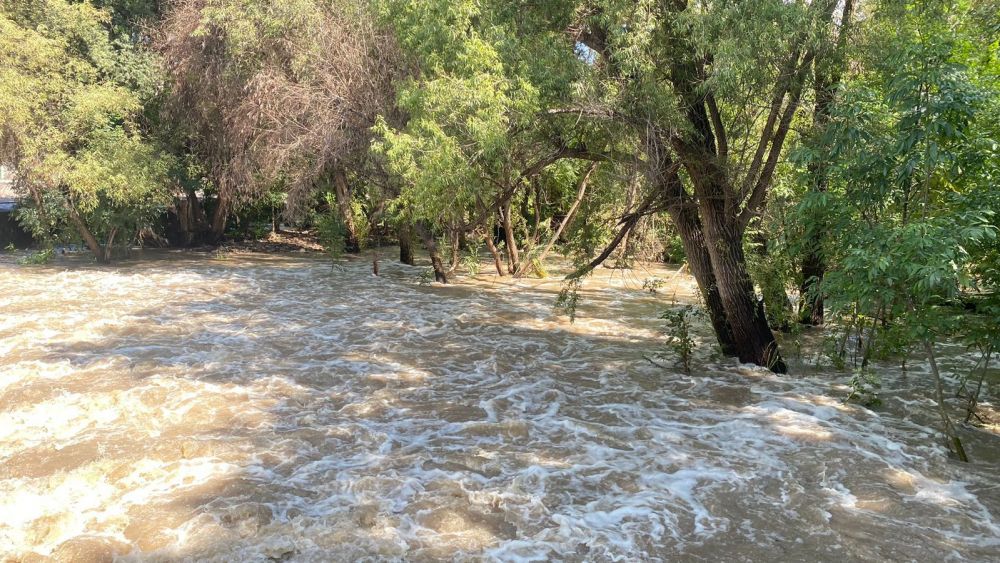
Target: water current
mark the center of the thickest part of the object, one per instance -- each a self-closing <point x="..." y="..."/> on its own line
<point x="275" y="408"/>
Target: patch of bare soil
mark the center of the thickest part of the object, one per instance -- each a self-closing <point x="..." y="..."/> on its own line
<point x="283" y="241"/>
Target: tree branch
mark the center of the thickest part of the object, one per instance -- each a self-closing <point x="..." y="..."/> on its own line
<point x="580" y="190"/>
<point x="628" y="222"/>
<point x="756" y="200"/>
<point x="720" y="131"/>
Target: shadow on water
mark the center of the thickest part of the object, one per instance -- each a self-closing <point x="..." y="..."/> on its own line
<point x="277" y="409"/>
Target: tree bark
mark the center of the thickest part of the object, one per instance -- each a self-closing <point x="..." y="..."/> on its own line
<point x="187" y="225"/>
<point x="405" y="234"/>
<point x="513" y="257"/>
<point x="685" y="219"/>
<point x="99" y="252"/>
<point x="437" y="263"/>
<point x="752" y="337"/>
<point x="220" y="214"/>
<point x="342" y="193"/>
<point x="718" y="206"/>
<point x="497" y="261"/>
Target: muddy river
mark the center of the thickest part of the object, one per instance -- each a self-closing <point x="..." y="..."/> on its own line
<point x="275" y="408"/>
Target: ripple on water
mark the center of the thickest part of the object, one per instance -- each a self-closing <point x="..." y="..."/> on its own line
<point x="271" y="407"/>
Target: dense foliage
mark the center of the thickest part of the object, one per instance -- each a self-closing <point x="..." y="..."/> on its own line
<point x="811" y="162"/>
<point x="72" y="95"/>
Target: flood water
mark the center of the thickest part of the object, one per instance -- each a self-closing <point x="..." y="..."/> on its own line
<point x="274" y="408"/>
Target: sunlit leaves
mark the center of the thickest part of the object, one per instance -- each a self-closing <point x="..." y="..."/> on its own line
<point x="70" y="96"/>
<point x="911" y="154"/>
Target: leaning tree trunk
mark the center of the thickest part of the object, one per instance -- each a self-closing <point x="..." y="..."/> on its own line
<point x="437" y="263"/>
<point x="342" y="193"/>
<point x="581" y="189"/>
<point x="752" y="337"/>
<point x="100" y="253"/>
<point x="497" y="261"/>
<point x="685" y="219"/>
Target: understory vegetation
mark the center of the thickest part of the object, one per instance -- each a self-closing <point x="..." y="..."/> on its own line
<point x="809" y="163"/>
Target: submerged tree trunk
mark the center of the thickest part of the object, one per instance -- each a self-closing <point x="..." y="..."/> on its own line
<point x="187" y="224"/>
<point x="342" y="193"/>
<point x="220" y="214"/>
<point x="405" y="233"/>
<point x="101" y="253"/>
<point x="685" y="219"/>
<point x="513" y="257"/>
<point x="437" y="263"/>
<point x="954" y="441"/>
<point x="752" y="337"/>
<point x="497" y="261"/>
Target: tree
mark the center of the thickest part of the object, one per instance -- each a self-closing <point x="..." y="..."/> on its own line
<point x="911" y="210"/>
<point x="271" y="92"/>
<point x="828" y="68"/>
<point x="72" y="96"/>
<point x="472" y="142"/>
<point x="669" y="88"/>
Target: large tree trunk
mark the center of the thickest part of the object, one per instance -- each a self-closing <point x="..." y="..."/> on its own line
<point x="723" y="225"/>
<point x="437" y="263"/>
<point x="406" y="244"/>
<point x="685" y="219"/>
<point x="342" y="193"/>
<point x="186" y="222"/>
<point x="752" y="337"/>
<point x="220" y="214"/>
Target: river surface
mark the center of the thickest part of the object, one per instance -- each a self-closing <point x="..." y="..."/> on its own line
<point x="275" y="408"/>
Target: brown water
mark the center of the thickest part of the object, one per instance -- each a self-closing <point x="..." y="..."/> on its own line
<point x="275" y="408"/>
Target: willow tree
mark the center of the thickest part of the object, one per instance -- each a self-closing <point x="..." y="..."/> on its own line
<point x="71" y="98"/>
<point x="473" y="145"/>
<point x="673" y="88"/>
<point x="270" y="92"/>
<point x="710" y="90"/>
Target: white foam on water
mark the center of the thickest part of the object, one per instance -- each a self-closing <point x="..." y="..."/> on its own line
<point x="190" y="409"/>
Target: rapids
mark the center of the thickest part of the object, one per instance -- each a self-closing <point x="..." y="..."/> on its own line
<point x="276" y="408"/>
